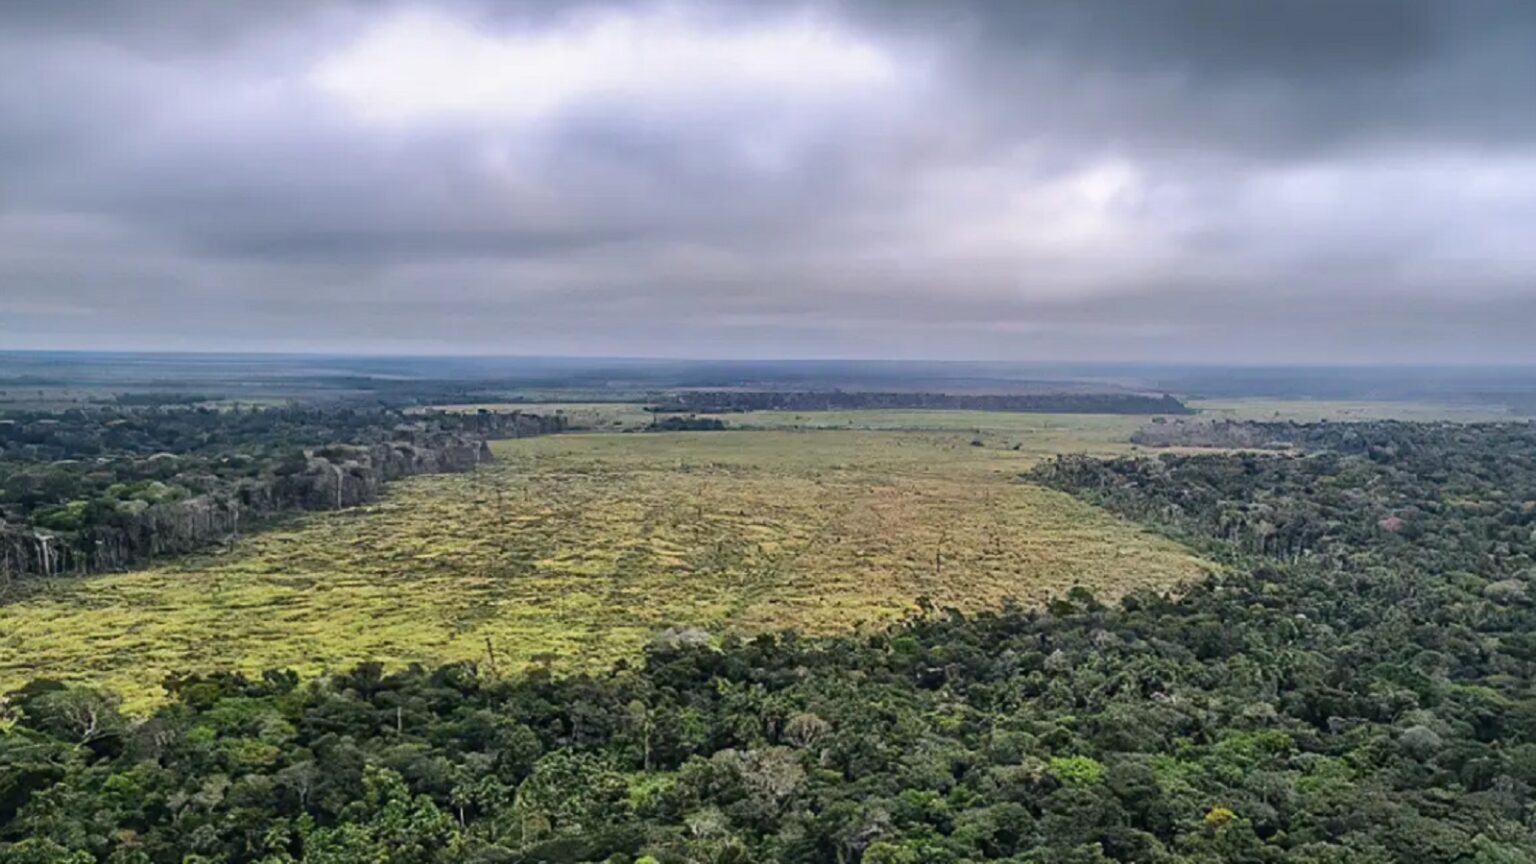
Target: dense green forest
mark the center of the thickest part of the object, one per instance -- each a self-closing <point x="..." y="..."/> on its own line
<point x="1448" y="498"/>
<point x="102" y="488"/>
<point x="1357" y="688"/>
<point x="1383" y="439"/>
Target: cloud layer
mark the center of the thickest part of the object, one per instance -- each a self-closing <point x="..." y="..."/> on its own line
<point x="1299" y="181"/>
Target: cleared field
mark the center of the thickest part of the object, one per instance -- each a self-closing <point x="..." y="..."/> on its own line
<point x="1039" y="434"/>
<point x="1314" y="410"/>
<point x="576" y="549"/>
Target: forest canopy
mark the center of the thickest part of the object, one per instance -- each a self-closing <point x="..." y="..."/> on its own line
<point x="96" y="489"/>
<point x="1352" y="689"/>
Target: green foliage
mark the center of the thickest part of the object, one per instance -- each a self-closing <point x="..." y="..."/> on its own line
<point x="36" y="850"/>
<point x="101" y="483"/>
<point x="1077" y="770"/>
<point x="1357" y="698"/>
<point x="64" y="517"/>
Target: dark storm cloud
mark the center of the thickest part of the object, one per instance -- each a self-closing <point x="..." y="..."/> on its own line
<point x="1123" y="180"/>
<point x="1297" y="74"/>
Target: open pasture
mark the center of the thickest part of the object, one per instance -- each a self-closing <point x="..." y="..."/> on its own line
<point x="577" y="549"/>
<point x="1338" y="410"/>
<point x="1035" y="434"/>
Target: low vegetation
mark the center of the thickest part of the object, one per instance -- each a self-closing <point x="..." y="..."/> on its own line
<point x="1032" y="435"/>
<point x="581" y="547"/>
<point x="1469" y="410"/>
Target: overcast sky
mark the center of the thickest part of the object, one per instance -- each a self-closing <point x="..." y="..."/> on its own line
<point x="1257" y="182"/>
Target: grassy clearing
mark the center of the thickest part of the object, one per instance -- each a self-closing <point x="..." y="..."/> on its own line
<point x="1037" y="434"/>
<point x="1314" y="410"/>
<point x="577" y="548"/>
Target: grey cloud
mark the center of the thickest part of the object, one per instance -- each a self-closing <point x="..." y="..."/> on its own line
<point x="1299" y="75"/>
<point x="1117" y="180"/>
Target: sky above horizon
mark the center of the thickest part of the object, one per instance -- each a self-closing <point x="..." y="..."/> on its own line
<point x="1164" y="180"/>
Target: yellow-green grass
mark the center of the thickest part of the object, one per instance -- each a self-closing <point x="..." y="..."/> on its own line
<point x="1038" y="433"/>
<point x="1089" y="428"/>
<point x="1314" y="410"/>
<point x="576" y="549"/>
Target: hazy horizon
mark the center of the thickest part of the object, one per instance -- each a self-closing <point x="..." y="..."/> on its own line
<point x="1178" y="182"/>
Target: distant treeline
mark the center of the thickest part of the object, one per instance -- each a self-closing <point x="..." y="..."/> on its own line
<point x="690" y="423"/>
<point x="91" y="490"/>
<point x="723" y="401"/>
<point x="1383" y="436"/>
<point x="166" y="398"/>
